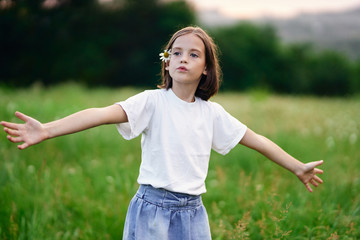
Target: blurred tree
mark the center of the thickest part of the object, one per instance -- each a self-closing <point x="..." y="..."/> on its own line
<point x="249" y="55"/>
<point x="253" y="57"/>
<point x="79" y="3"/>
<point x="296" y="69"/>
<point x="117" y="44"/>
<point x="330" y="74"/>
<point x="85" y="41"/>
<point x="355" y="83"/>
<point x="145" y="29"/>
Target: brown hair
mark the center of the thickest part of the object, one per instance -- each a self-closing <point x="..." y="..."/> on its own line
<point x="209" y="83"/>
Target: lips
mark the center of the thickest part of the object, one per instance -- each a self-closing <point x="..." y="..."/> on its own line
<point x="182" y="69"/>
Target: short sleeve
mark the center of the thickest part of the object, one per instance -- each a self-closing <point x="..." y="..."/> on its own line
<point x="227" y="130"/>
<point x="139" y="109"/>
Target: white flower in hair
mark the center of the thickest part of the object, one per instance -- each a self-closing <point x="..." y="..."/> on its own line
<point x="165" y="56"/>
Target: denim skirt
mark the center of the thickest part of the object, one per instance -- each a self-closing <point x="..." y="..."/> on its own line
<point x="158" y="214"/>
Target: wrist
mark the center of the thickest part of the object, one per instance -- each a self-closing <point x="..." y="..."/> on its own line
<point x="299" y="169"/>
<point x="46" y="131"/>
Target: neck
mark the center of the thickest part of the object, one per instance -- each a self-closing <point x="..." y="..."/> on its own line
<point x="185" y="92"/>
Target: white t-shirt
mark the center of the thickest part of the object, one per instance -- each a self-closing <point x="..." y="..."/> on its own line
<point x="177" y="138"/>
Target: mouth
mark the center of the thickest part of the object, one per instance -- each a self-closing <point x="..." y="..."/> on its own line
<point x="183" y="69"/>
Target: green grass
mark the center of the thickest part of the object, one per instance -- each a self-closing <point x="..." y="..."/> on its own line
<point x="79" y="186"/>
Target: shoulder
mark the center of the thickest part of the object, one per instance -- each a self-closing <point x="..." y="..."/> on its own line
<point x="147" y="95"/>
<point x="156" y="95"/>
<point x="210" y="109"/>
<point x="154" y="91"/>
<point x="151" y="92"/>
<point x="214" y="106"/>
<point x="147" y="99"/>
<point x="218" y="110"/>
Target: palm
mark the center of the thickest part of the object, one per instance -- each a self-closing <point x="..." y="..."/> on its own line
<point x="31" y="132"/>
<point x="309" y="174"/>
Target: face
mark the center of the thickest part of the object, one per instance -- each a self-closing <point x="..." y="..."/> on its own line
<point x="187" y="62"/>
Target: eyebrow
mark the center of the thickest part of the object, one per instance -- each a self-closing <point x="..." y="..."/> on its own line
<point x="191" y="50"/>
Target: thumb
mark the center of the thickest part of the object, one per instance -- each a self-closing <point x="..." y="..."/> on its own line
<point x="21" y="116"/>
<point x="313" y="165"/>
<point x="23" y="146"/>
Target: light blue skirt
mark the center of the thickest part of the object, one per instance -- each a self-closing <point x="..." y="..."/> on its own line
<point x="158" y="214"/>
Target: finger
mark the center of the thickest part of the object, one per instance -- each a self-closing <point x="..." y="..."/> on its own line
<point x="317" y="179"/>
<point x="308" y="187"/>
<point x="14" y="139"/>
<point x="11" y="132"/>
<point x="318" y="163"/>
<point x="313" y="182"/>
<point x="23" y="146"/>
<point x="312" y="165"/>
<point x="21" y="116"/>
<point x="318" y="171"/>
<point x="10" y="125"/>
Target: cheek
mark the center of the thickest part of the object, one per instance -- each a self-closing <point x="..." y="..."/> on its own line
<point x="170" y="67"/>
<point x="167" y="65"/>
<point x="170" y="70"/>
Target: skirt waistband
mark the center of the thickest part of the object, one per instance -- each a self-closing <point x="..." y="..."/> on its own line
<point x="167" y="199"/>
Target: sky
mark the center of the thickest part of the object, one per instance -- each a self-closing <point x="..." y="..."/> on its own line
<point x="274" y="8"/>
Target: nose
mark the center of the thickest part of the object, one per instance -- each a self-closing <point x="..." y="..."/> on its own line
<point x="184" y="58"/>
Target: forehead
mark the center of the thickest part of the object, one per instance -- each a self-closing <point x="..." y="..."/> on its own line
<point x="189" y="41"/>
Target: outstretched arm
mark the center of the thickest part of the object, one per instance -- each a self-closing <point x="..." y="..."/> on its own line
<point x="32" y="131"/>
<point x="307" y="173"/>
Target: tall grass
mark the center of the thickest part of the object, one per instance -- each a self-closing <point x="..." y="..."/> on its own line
<point x="79" y="186"/>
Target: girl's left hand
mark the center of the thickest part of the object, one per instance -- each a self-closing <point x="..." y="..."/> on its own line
<point x="308" y="174"/>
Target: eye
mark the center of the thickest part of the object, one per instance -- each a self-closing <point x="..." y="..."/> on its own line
<point x="194" y="55"/>
<point x="176" y="53"/>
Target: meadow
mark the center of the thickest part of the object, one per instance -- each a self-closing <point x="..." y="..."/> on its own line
<point x="79" y="186"/>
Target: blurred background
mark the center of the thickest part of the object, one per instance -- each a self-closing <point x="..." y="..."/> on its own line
<point x="301" y="47"/>
<point x="291" y="72"/>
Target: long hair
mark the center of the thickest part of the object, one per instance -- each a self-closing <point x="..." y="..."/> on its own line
<point x="209" y="83"/>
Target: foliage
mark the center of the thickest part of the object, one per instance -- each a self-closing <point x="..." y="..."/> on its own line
<point x="253" y="56"/>
<point x="355" y="83"/>
<point x="118" y="45"/>
<point x="249" y="55"/>
<point x="331" y="75"/>
<point x="79" y="186"/>
<point x="80" y="40"/>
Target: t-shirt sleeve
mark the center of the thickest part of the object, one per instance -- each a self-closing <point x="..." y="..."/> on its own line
<point x="139" y="109"/>
<point x="227" y="132"/>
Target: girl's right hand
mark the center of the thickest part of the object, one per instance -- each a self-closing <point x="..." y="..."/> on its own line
<point x="29" y="133"/>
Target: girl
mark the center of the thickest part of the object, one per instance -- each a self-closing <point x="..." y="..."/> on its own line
<point x="179" y="127"/>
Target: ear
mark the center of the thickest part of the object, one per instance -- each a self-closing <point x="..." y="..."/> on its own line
<point x="167" y="66"/>
<point x="205" y="71"/>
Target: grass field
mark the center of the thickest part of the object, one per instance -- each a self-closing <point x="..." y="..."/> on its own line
<point x="79" y="186"/>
